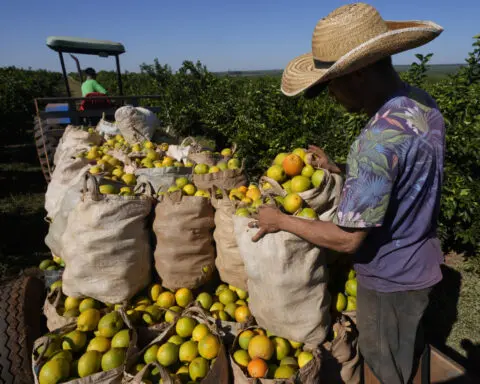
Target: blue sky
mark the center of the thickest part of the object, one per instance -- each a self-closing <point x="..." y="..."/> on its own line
<point x="223" y="34"/>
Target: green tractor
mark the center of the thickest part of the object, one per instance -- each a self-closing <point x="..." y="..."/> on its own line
<point x="53" y="114"/>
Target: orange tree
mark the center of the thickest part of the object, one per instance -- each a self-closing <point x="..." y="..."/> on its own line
<point x="252" y="112"/>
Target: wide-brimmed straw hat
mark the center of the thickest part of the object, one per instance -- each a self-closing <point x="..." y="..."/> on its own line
<point x="352" y="37"/>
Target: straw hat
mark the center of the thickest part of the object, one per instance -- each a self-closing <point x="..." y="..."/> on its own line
<point x="350" y="38"/>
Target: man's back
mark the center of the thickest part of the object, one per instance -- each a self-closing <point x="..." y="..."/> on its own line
<point x="394" y="178"/>
<point x="92" y="85"/>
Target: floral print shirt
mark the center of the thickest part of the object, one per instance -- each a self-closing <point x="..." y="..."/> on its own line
<point x="393" y="183"/>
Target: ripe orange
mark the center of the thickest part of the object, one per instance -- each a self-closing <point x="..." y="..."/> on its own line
<point x="261" y="346"/>
<point x="292" y="202"/>
<point x="277" y="173"/>
<point x="300" y="184"/>
<point x="293" y="165"/>
<point x="257" y="368"/>
<point x="242" y="314"/>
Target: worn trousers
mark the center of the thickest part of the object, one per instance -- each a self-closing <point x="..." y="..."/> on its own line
<point x="390" y="332"/>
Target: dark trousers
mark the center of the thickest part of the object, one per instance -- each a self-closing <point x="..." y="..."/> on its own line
<point x="390" y="332"/>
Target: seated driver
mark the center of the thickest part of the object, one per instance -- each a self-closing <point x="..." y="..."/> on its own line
<point x="91" y="85"/>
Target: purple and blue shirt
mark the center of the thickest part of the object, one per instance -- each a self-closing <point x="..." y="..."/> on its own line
<point x="393" y="184"/>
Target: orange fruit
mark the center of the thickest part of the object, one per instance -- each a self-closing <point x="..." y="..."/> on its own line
<point x="293" y="165"/>
<point x="241" y="358"/>
<point x="301" y="184"/>
<point x="185" y="326"/>
<point x="183" y="297"/>
<point x="254" y="193"/>
<point x="198" y="368"/>
<point x="279" y="158"/>
<point x="242" y="314"/>
<point x="292" y="202"/>
<point x="317" y="177"/>
<point x="300" y="152"/>
<point x="244" y="338"/>
<point x="166" y="300"/>
<point x="261" y="346"/>
<point x="308" y="213"/>
<point x="209" y="347"/>
<point x="285" y="372"/>
<point x="242" y="189"/>
<point x="277" y="173"/>
<point x="257" y="368"/>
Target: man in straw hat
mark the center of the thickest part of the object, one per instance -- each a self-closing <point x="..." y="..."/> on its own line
<point x="390" y="201"/>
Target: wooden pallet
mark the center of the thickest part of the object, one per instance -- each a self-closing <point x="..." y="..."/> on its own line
<point x="442" y="370"/>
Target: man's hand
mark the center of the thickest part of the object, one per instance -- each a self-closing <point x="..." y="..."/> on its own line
<point x="321" y="160"/>
<point x="268" y="221"/>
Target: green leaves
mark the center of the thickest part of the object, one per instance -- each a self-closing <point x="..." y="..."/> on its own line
<point x="252" y="112"/>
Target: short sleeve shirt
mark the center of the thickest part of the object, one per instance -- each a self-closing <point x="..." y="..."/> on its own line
<point x="92" y="85"/>
<point x="393" y="184"/>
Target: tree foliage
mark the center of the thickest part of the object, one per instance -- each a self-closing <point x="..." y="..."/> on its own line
<point x="252" y="112"/>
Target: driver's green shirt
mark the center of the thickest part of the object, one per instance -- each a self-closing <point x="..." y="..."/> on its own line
<point x="92" y="85"/>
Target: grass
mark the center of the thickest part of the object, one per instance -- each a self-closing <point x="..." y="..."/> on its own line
<point x="21" y="209"/>
<point x="452" y="320"/>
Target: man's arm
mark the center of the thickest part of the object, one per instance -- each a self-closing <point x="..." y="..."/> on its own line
<point x="321" y="233"/>
<point x="98" y="88"/>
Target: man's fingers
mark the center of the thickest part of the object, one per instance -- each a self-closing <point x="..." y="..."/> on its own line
<point x="262" y="232"/>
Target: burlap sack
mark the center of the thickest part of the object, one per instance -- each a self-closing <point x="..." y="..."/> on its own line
<point x="198" y="154"/>
<point x="162" y="178"/>
<point x="68" y="174"/>
<point x="113" y="376"/>
<point x="287" y="284"/>
<point x="230" y="329"/>
<point x="342" y="362"/>
<point x="106" y="245"/>
<point x="136" y="124"/>
<point x="324" y="199"/>
<point x="229" y="262"/>
<point x="219" y="372"/>
<point x="70" y="199"/>
<point x="73" y="141"/>
<point x="107" y="128"/>
<point x="308" y="374"/>
<point x="229" y="179"/>
<point x="50" y="310"/>
<point x="185" y="253"/>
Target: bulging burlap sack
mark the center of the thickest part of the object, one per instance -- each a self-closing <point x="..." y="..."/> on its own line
<point x="71" y="198"/>
<point x="324" y="199"/>
<point x="185" y="253"/>
<point x="308" y="374"/>
<point x="198" y="154"/>
<point x="287" y="284"/>
<point x="106" y="246"/>
<point x="136" y="124"/>
<point x="342" y="363"/>
<point x="229" y="179"/>
<point x="50" y="310"/>
<point x="229" y="262"/>
<point x="162" y="178"/>
<point x="73" y="141"/>
<point x="68" y="174"/>
<point x="107" y="128"/>
<point x="113" y="376"/>
<point x="218" y="373"/>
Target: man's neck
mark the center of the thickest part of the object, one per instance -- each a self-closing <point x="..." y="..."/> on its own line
<point x="382" y="90"/>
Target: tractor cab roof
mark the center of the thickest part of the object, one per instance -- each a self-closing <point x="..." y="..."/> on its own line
<point x="85" y="46"/>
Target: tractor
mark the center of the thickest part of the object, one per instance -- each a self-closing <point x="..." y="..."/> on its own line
<point x="53" y="114"/>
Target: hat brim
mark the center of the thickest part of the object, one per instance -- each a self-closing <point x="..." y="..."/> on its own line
<point x="301" y="74"/>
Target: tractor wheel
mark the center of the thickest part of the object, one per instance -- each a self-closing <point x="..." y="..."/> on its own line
<point x="21" y="323"/>
<point x="46" y="145"/>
